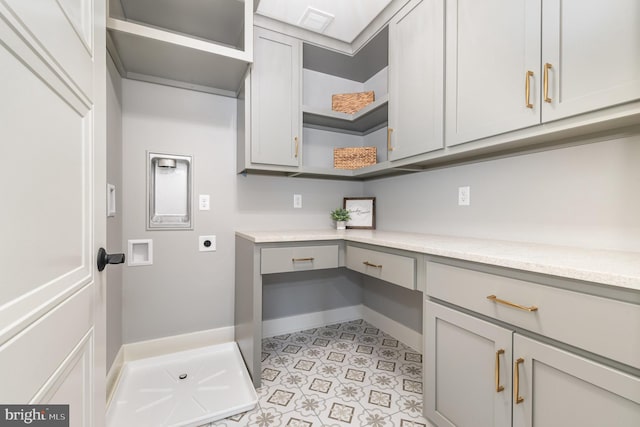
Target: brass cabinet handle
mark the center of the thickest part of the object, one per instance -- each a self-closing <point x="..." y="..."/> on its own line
<point x="297" y="146"/>
<point x="512" y="304"/>
<point x="499" y="388"/>
<point x="389" y="147"/>
<point x="301" y="259"/>
<point x="527" y="89"/>
<point x="516" y="381"/>
<point x="547" y="66"/>
<point x="368" y="264"/>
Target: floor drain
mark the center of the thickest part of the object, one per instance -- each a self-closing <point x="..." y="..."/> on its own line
<point x="182" y="376"/>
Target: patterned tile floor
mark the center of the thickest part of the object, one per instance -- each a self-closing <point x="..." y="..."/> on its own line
<point x="346" y="374"/>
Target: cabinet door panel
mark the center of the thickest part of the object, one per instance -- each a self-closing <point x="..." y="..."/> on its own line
<point x="275" y="91"/>
<point x="562" y="389"/>
<point x="416" y="78"/>
<point x="594" y="51"/>
<point x="490" y="47"/>
<point x="460" y="362"/>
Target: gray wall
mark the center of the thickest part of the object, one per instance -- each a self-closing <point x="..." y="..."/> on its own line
<point x="291" y="294"/>
<point x="114" y="224"/>
<point x="583" y="195"/>
<point x="186" y="290"/>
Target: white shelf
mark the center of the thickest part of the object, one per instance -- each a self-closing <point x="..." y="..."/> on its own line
<point x="176" y="58"/>
<point x="370" y="118"/>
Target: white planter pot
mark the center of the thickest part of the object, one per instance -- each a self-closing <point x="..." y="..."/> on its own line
<point x="341" y="225"/>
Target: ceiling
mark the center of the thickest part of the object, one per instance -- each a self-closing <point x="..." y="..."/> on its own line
<point x="339" y="19"/>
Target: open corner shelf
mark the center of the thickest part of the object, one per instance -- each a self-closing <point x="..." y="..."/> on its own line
<point x="370" y="118"/>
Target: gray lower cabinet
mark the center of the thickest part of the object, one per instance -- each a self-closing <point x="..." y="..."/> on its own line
<point x="467" y="370"/>
<point x="490" y="359"/>
<point x="560" y="389"/>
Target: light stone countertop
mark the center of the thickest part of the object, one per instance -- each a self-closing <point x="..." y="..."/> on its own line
<point x="615" y="268"/>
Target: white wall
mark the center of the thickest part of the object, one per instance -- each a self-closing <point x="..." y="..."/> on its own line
<point x="114" y="224"/>
<point x="186" y="290"/>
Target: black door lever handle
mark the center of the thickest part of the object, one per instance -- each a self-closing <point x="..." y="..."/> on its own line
<point x="104" y="258"/>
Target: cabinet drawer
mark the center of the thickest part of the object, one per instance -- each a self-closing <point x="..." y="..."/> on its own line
<point x="600" y="325"/>
<point x="397" y="269"/>
<point x="298" y="258"/>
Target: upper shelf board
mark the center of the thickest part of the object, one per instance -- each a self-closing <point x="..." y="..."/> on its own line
<point x="370" y="118"/>
<point x="218" y="21"/>
<point x="183" y="53"/>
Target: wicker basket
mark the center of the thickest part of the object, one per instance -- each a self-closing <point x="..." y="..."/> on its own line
<point x="353" y="157"/>
<point x="351" y="103"/>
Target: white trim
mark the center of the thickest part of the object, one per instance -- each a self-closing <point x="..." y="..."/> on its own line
<point x="113" y="376"/>
<point x="285" y="325"/>
<point x="407" y="335"/>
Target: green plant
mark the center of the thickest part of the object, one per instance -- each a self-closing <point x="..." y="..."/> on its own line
<point x="340" y="214"/>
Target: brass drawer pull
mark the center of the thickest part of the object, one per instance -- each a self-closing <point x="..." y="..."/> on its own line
<point x="368" y="264"/>
<point x="389" y="146"/>
<point x="511" y="304"/>
<point x="499" y="388"/>
<point x="516" y="381"/>
<point x="301" y="259"/>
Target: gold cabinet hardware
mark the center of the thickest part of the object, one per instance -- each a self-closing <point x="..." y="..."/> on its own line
<point x="547" y="66"/>
<point x="527" y="89"/>
<point x="389" y="147"/>
<point x="499" y="388"/>
<point x="297" y="146"/>
<point x="301" y="259"/>
<point x="512" y="304"/>
<point x="368" y="264"/>
<point x="516" y="381"/>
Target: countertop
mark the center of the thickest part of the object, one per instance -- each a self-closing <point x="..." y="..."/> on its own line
<point x="615" y="268"/>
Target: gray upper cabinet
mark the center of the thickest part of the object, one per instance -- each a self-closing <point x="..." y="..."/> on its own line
<point x="587" y="70"/>
<point x="275" y="99"/>
<point x="493" y="57"/>
<point x="416" y="79"/>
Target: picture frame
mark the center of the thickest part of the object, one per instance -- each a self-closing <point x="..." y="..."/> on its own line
<point x="363" y="212"/>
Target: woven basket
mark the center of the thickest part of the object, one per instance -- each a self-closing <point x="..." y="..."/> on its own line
<point x="353" y="157"/>
<point x="351" y="103"/>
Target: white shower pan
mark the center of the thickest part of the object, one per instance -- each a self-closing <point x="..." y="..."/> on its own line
<point x="185" y="389"/>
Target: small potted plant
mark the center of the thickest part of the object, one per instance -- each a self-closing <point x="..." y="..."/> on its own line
<point x="340" y="216"/>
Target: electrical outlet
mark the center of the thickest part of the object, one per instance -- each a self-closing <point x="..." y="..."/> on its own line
<point x="204" y="204"/>
<point x="464" y="196"/>
<point x="207" y="243"/>
<point x="297" y="201"/>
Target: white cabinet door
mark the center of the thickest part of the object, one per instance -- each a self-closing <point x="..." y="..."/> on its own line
<point x="491" y="46"/>
<point x="560" y="389"/>
<point x="53" y="216"/>
<point x="275" y="99"/>
<point x="593" y="50"/>
<point x="416" y="79"/>
<point x="466" y="361"/>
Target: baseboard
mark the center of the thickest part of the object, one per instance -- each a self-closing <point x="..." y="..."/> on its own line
<point x="113" y="376"/>
<point x="285" y="325"/>
<point x="407" y="335"/>
<point x="161" y="346"/>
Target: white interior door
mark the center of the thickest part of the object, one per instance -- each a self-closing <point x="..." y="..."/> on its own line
<point x="52" y="198"/>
